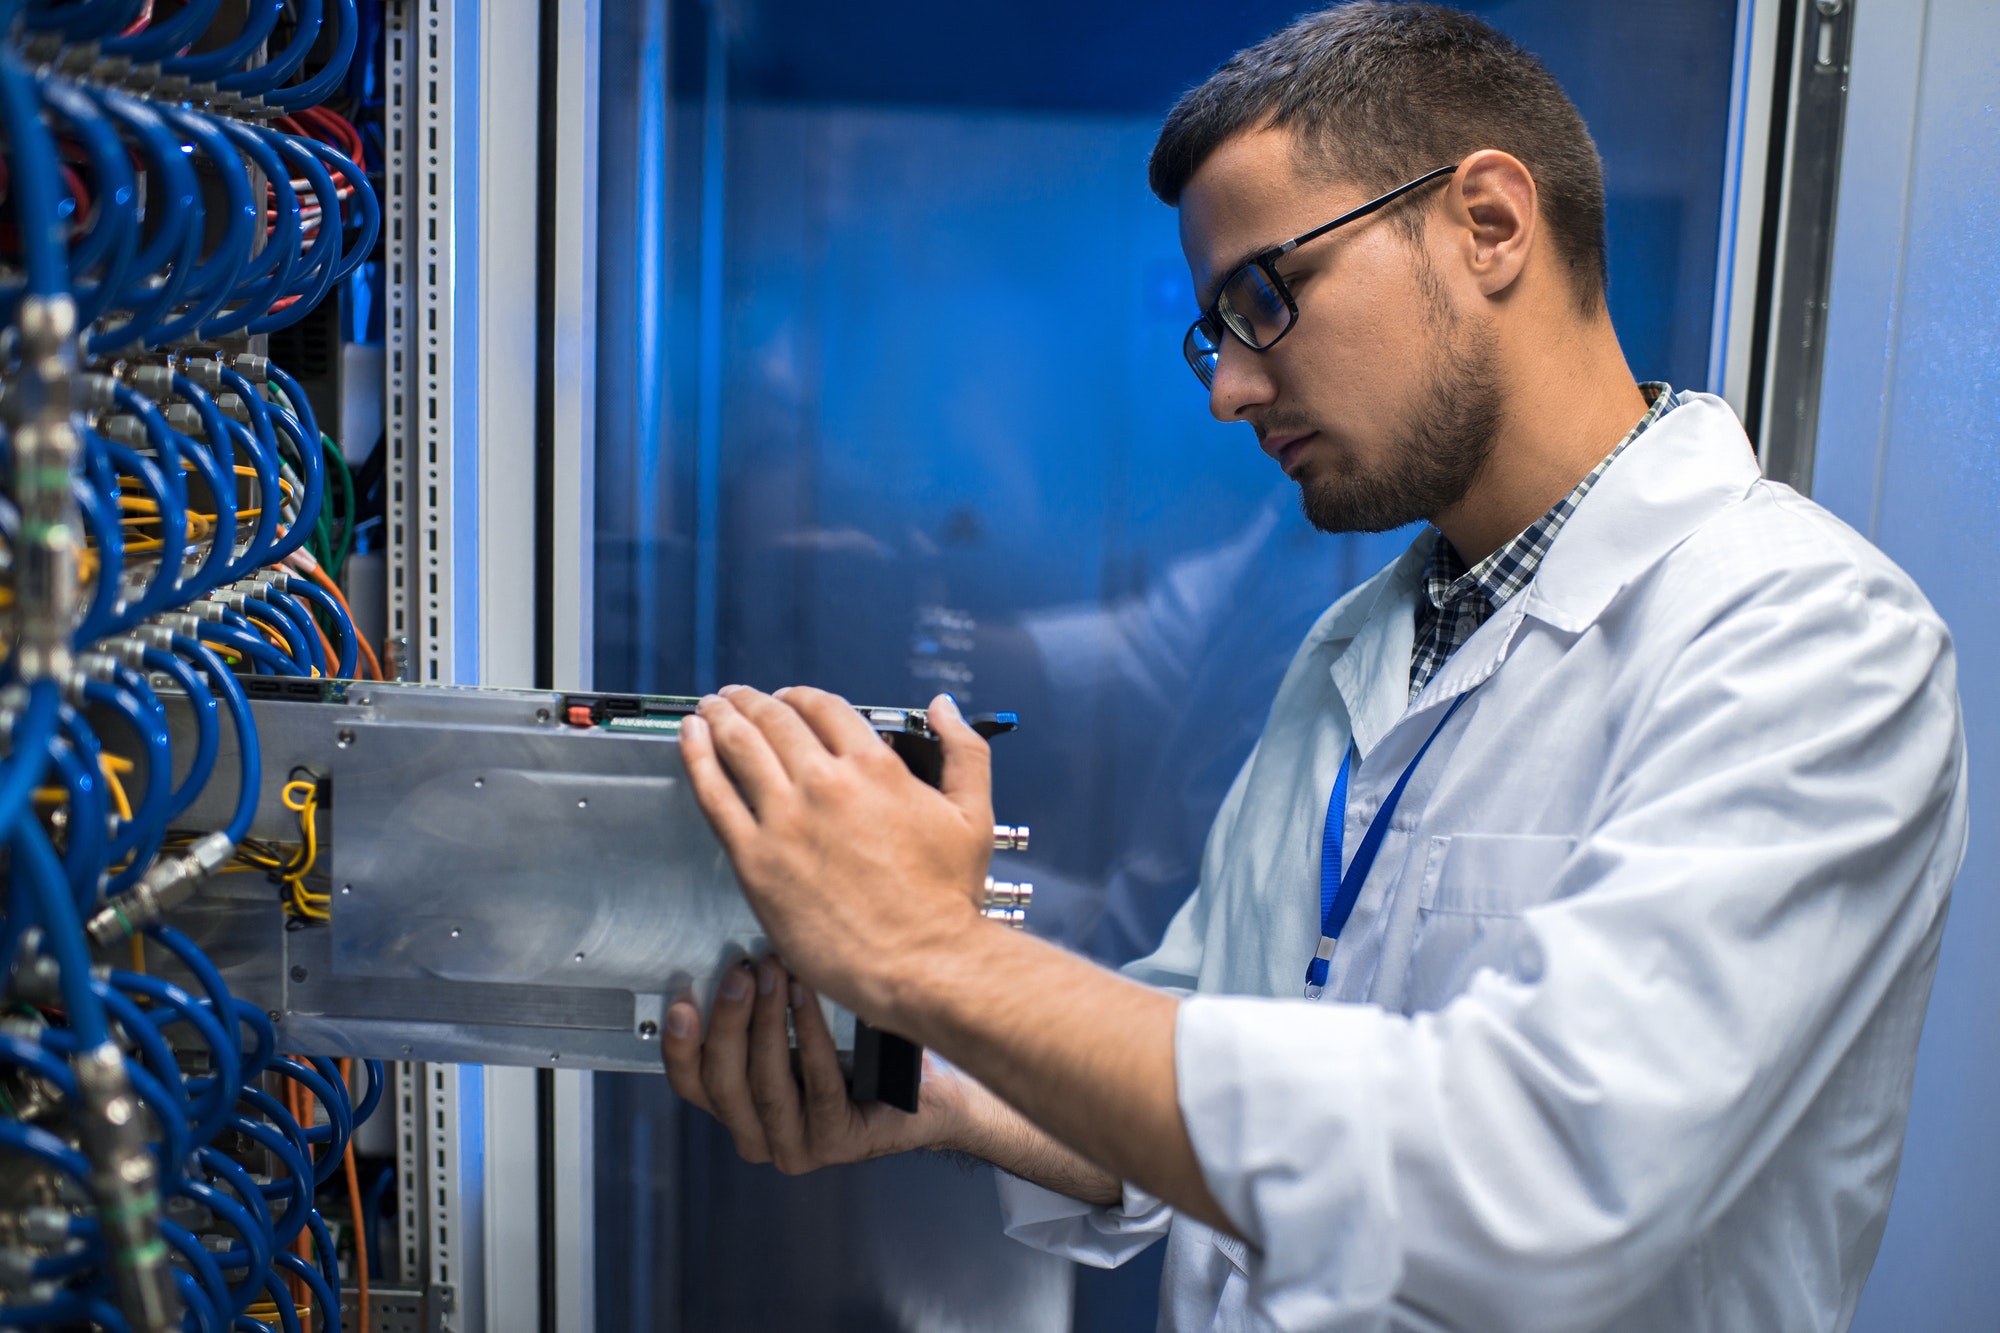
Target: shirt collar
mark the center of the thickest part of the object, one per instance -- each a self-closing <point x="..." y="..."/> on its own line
<point x="1506" y="571"/>
<point x="1697" y="460"/>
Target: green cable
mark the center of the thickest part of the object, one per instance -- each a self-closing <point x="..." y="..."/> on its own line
<point x="348" y="507"/>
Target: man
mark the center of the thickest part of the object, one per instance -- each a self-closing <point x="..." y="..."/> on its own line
<point x="1560" y="954"/>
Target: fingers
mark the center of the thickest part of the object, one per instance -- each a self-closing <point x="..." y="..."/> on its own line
<point x="741" y="746"/>
<point x="725" y="1061"/>
<point x="786" y="735"/>
<point x="773" y="1090"/>
<point x="835" y="721"/>
<point x="680" y="1051"/>
<point x="714" y="792"/>
<point x="968" y="761"/>
<point x="826" y="1104"/>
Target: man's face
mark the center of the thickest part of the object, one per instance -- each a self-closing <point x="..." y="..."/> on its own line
<point x="1381" y="401"/>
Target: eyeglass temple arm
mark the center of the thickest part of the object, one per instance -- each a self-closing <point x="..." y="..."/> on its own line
<point x="1372" y="206"/>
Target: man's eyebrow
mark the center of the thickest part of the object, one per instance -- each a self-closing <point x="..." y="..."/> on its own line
<point x="1228" y="271"/>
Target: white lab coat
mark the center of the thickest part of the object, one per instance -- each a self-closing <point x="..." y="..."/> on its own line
<point x="1622" y="1031"/>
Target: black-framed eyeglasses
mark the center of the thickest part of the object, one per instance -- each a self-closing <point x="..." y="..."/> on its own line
<point x="1255" y="303"/>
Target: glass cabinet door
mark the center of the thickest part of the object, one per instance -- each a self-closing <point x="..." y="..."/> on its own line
<point x="845" y="441"/>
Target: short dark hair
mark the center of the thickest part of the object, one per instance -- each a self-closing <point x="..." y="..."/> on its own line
<point x="1380" y="92"/>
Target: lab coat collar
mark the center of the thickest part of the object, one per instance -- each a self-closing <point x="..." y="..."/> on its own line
<point x="1378" y="624"/>
<point x="1685" y="468"/>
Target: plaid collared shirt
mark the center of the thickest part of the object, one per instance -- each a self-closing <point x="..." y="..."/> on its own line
<point x="1458" y="600"/>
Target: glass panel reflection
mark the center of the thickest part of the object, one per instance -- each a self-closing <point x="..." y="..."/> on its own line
<point x="921" y="475"/>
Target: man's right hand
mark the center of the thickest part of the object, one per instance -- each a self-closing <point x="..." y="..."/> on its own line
<point x="742" y="1075"/>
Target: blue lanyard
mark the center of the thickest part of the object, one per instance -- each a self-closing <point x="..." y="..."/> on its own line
<point x="1337" y="892"/>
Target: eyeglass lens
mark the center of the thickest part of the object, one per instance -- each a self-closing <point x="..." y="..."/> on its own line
<point x="1199" y="347"/>
<point x="1253" y="307"/>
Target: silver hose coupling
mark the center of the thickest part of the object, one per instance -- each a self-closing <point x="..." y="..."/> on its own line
<point x="125" y="1181"/>
<point x="1010" y="837"/>
<point x="46" y="449"/>
<point x="1007" y="903"/>
<point x="167" y="883"/>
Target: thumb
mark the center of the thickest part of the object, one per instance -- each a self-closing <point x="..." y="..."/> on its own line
<point x="968" y="762"/>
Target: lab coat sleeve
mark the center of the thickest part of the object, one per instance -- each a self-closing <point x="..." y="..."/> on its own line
<point x="1107" y="1237"/>
<point x="1770" y="858"/>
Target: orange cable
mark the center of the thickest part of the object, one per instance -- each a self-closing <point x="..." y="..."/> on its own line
<point x="319" y="576"/>
<point x="354" y="1205"/>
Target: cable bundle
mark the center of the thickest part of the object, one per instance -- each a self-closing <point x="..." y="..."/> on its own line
<point x="171" y="193"/>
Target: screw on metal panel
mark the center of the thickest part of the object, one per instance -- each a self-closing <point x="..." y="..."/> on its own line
<point x="347" y="888"/>
<point x="648" y="1030"/>
<point x="344" y="737"/>
<point x="365" y="700"/>
<point x="479" y="782"/>
<point x="454" y="932"/>
<point x="406" y="1050"/>
<point x="583" y="805"/>
<point x="554" y="1056"/>
<point x="541" y="715"/>
<point x="298" y="974"/>
<point x="579" y="957"/>
<point x="273" y="1015"/>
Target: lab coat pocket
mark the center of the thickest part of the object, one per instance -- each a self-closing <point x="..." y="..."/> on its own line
<point x="1476" y="887"/>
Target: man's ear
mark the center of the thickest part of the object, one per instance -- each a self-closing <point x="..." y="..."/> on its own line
<point x="1493" y="214"/>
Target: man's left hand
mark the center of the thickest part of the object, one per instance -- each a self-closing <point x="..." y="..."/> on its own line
<point x="855" y="866"/>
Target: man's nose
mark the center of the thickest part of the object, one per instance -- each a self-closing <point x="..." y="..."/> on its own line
<point x="1242" y="381"/>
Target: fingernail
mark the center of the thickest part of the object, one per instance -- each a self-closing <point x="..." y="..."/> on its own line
<point x="781" y="693"/>
<point x="798" y="996"/>
<point x="680" y="1020"/>
<point x="708" y="699"/>
<point x="693" y="724"/>
<point x="728" y="690"/>
<point x="767" y="978"/>
<point x="734" y="984"/>
<point x="951" y="702"/>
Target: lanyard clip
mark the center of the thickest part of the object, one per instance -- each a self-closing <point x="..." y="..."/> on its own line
<point x="1316" y="969"/>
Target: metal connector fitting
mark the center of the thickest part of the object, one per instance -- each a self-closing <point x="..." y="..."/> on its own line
<point x="46" y="451"/>
<point x="156" y="382"/>
<point x="1010" y="837"/>
<point x="1007" y="903"/>
<point x="205" y="371"/>
<point x="151" y="635"/>
<point x="183" y="418"/>
<point x="97" y="665"/>
<point x="128" y="649"/>
<point x="256" y="369"/>
<point x="96" y="393"/>
<point x="168" y="883"/>
<point x="125" y="1181"/>
<point x="231" y="405"/>
<point x="183" y="623"/>
<point x="124" y="428"/>
<point x="44" y="1225"/>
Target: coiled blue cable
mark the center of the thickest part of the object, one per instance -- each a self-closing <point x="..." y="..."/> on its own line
<point x="164" y="38"/>
<point x="34" y="182"/>
<point x="173" y="531"/>
<point x="262" y="78"/>
<point x="249" y="759"/>
<point x="216" y="278"/>
<point x="330" y="74"/>
<point x="208" y="727"/>
<point x="257" y="28"/>
<point x="178" y="223"/>
<point x="35" y="865"/>
<point x="85" y="835"/>
<point x="343" y="625"/>
<point x="303" y="625"/>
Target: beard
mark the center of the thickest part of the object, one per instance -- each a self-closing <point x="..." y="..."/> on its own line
<point x="1433" y="461"/>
